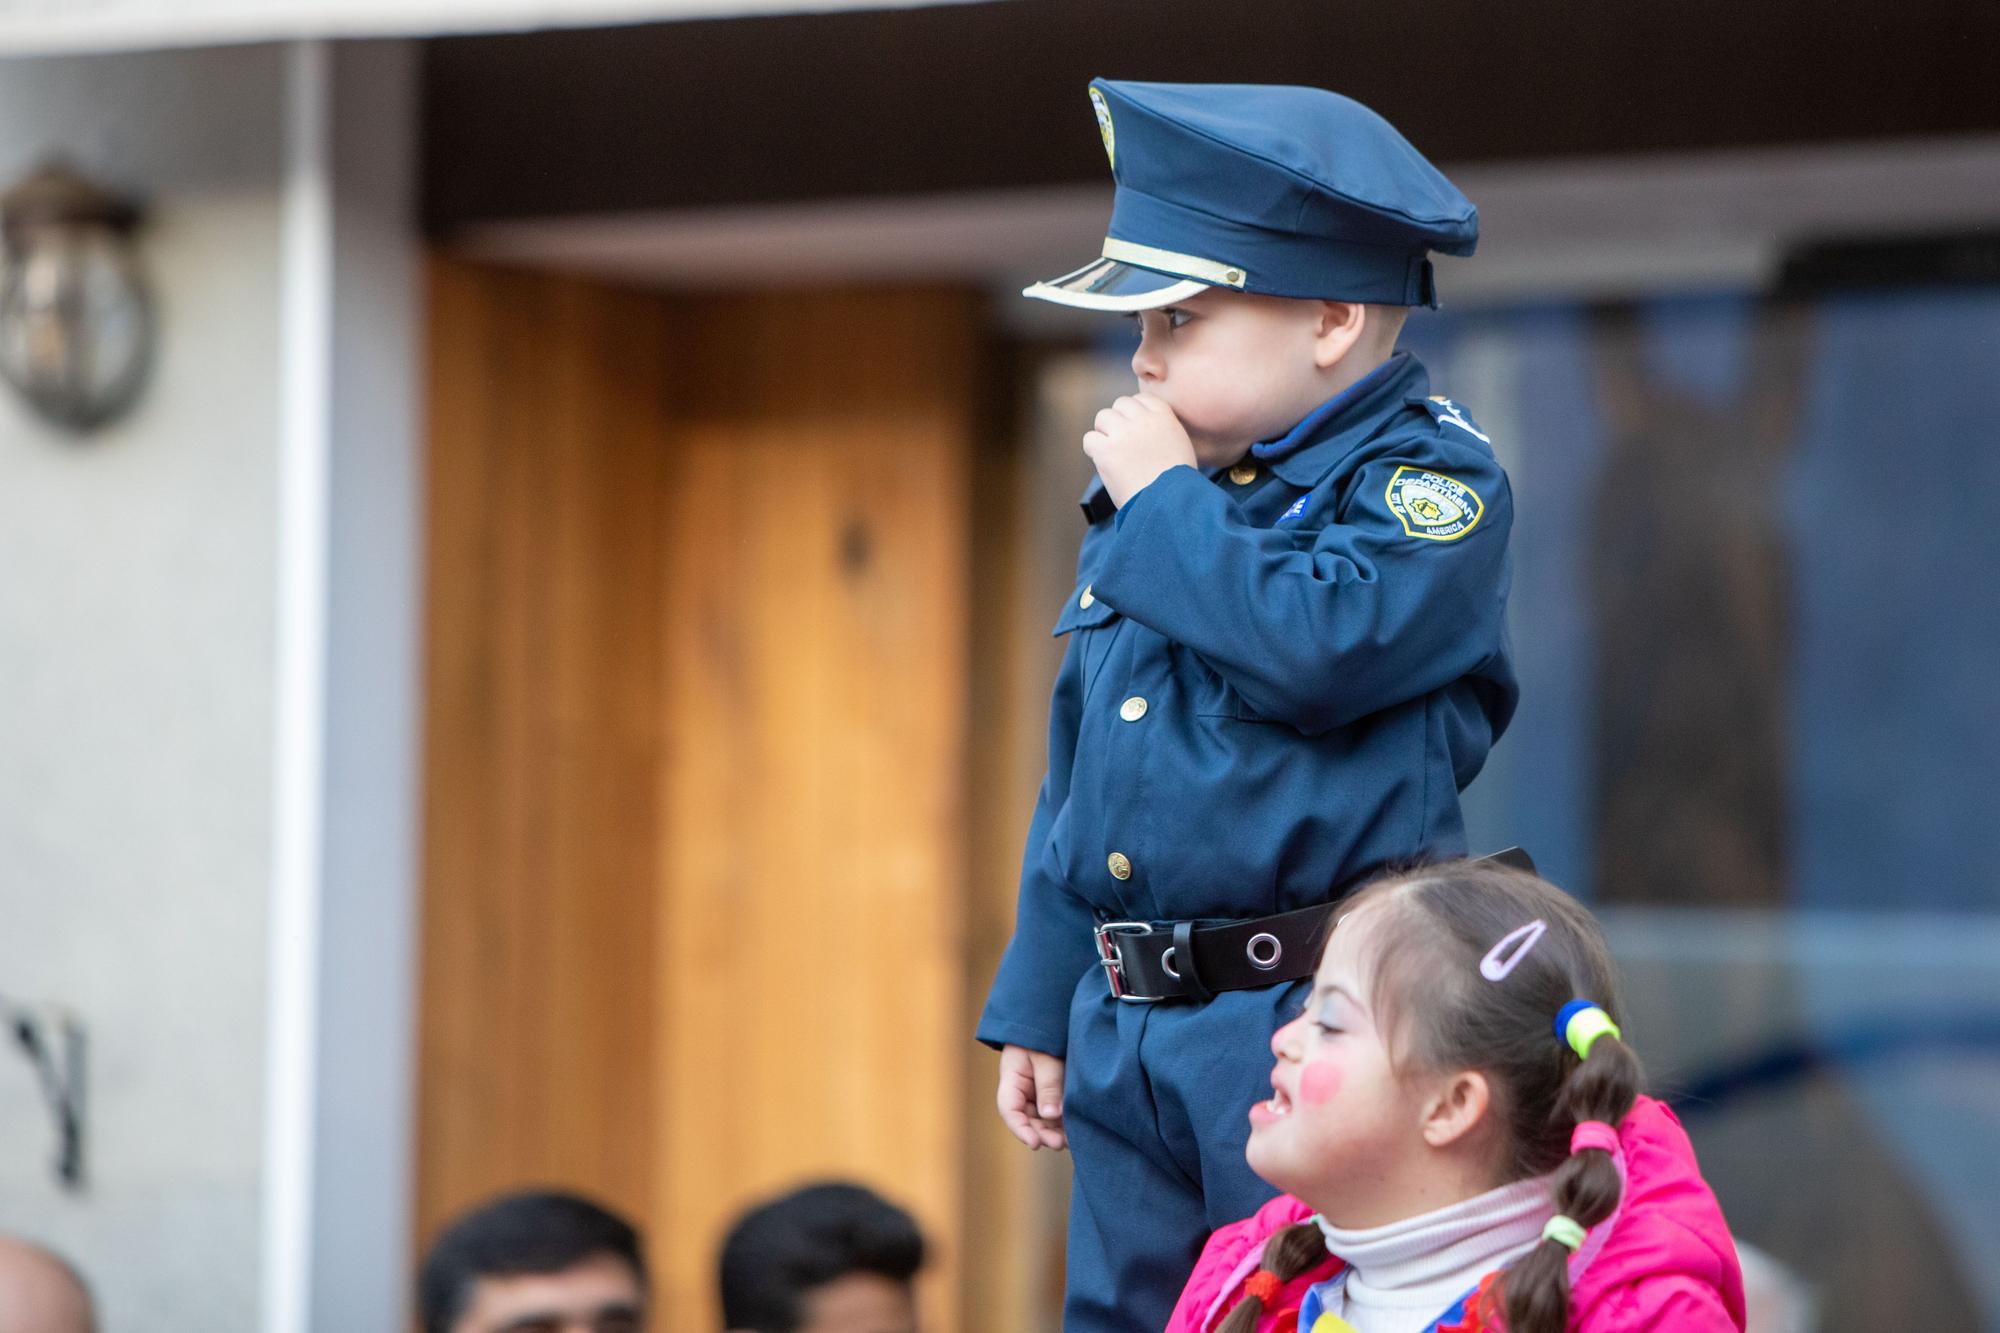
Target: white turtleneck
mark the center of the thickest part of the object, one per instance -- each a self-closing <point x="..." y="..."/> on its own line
<point x="1402" y="1276"/>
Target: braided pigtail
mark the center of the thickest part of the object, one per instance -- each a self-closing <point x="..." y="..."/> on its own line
<point x="1597" y="1094"/>
<point x="1287" y="1254"/>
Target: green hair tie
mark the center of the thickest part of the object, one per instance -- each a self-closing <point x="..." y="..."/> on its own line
<point x="1581" y="1023"/>
<point x="1564" y="1231"/>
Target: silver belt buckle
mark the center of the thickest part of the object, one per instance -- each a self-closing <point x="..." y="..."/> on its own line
<point x="1113" y="962"/>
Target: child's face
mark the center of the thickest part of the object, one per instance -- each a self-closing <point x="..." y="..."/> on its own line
<point x="1341" y="1129"/>
<point x="1235" y="367"/>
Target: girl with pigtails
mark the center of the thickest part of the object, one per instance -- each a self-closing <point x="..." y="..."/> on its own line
<point x="1458" y="1129"/>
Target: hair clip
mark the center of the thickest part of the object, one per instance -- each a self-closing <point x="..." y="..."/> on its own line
<point x="1581" y="1023"/>
<point x="1498" y="961"/>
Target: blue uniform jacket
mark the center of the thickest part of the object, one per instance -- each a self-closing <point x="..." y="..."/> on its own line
<point x="1318" y="638"/>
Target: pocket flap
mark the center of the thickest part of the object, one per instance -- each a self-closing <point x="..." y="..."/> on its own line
<point x="1077" y="616"/>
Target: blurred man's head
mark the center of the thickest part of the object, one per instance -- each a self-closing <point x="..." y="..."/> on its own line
<point x="825" y="1259"/>
<point x="535" y="1262"/>
<point x="39" y="1293"/>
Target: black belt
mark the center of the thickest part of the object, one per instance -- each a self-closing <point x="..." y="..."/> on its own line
<point x="1149" y="961"/>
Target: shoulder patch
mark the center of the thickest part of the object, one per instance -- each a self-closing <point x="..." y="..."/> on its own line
<point x="1448" y="413"/>
<point x="1431" y="505"/>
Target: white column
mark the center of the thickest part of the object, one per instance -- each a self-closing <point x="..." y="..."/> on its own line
<point x="342" y="1015"/>
<point x="305" y="292"/>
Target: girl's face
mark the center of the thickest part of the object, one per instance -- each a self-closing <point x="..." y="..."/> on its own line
<point x="1342" y="1130"/>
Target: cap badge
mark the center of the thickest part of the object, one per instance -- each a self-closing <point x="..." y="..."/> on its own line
<point x="1433" y="506"/>
<point x="1103" y="110"/>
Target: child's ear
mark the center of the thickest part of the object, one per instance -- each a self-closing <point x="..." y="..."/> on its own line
<point x="1455" y="1108"/>
<point x="1339" y="327"/>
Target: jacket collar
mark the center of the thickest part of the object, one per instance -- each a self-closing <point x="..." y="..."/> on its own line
<point x="1308" y="451"/>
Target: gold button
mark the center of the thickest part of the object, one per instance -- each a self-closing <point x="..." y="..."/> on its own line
<point x="1086" y="601"/>
<point x="1243" y="473"/>
<point x="1121" y="868"/>
<point x="1132" y="709"/>
<point x="1234" y="277"/>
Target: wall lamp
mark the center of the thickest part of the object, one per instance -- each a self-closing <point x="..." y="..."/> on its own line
<point x="76" y="317"/>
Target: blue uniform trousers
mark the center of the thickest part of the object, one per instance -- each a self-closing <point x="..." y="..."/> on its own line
<point x="1156" y="1100"/>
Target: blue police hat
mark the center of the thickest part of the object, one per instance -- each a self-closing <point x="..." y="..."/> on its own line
<point x="1286" y="191"/>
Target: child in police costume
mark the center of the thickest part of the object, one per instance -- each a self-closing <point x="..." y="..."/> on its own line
<point x="1286" y="651"/>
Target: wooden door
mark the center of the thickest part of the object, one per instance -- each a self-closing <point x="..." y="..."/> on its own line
<point x="695" y="854"/>
<point x="811" y="944"/>
<point x="544" y="740"/>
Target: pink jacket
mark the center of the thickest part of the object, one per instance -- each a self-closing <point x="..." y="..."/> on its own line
<point x="1664" y="1260"/>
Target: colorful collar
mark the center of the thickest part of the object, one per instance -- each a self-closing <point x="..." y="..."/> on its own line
<point x="1314" y="1317"/>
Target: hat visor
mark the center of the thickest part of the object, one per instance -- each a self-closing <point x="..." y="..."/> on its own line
<point x="1110" y="284"/>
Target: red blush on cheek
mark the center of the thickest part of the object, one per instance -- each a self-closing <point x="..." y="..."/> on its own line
<point x="1319" y="1082"/>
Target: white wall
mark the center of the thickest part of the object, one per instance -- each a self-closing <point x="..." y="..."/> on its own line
<point x="207" y="686"/>
<point x="136" y="606"/>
